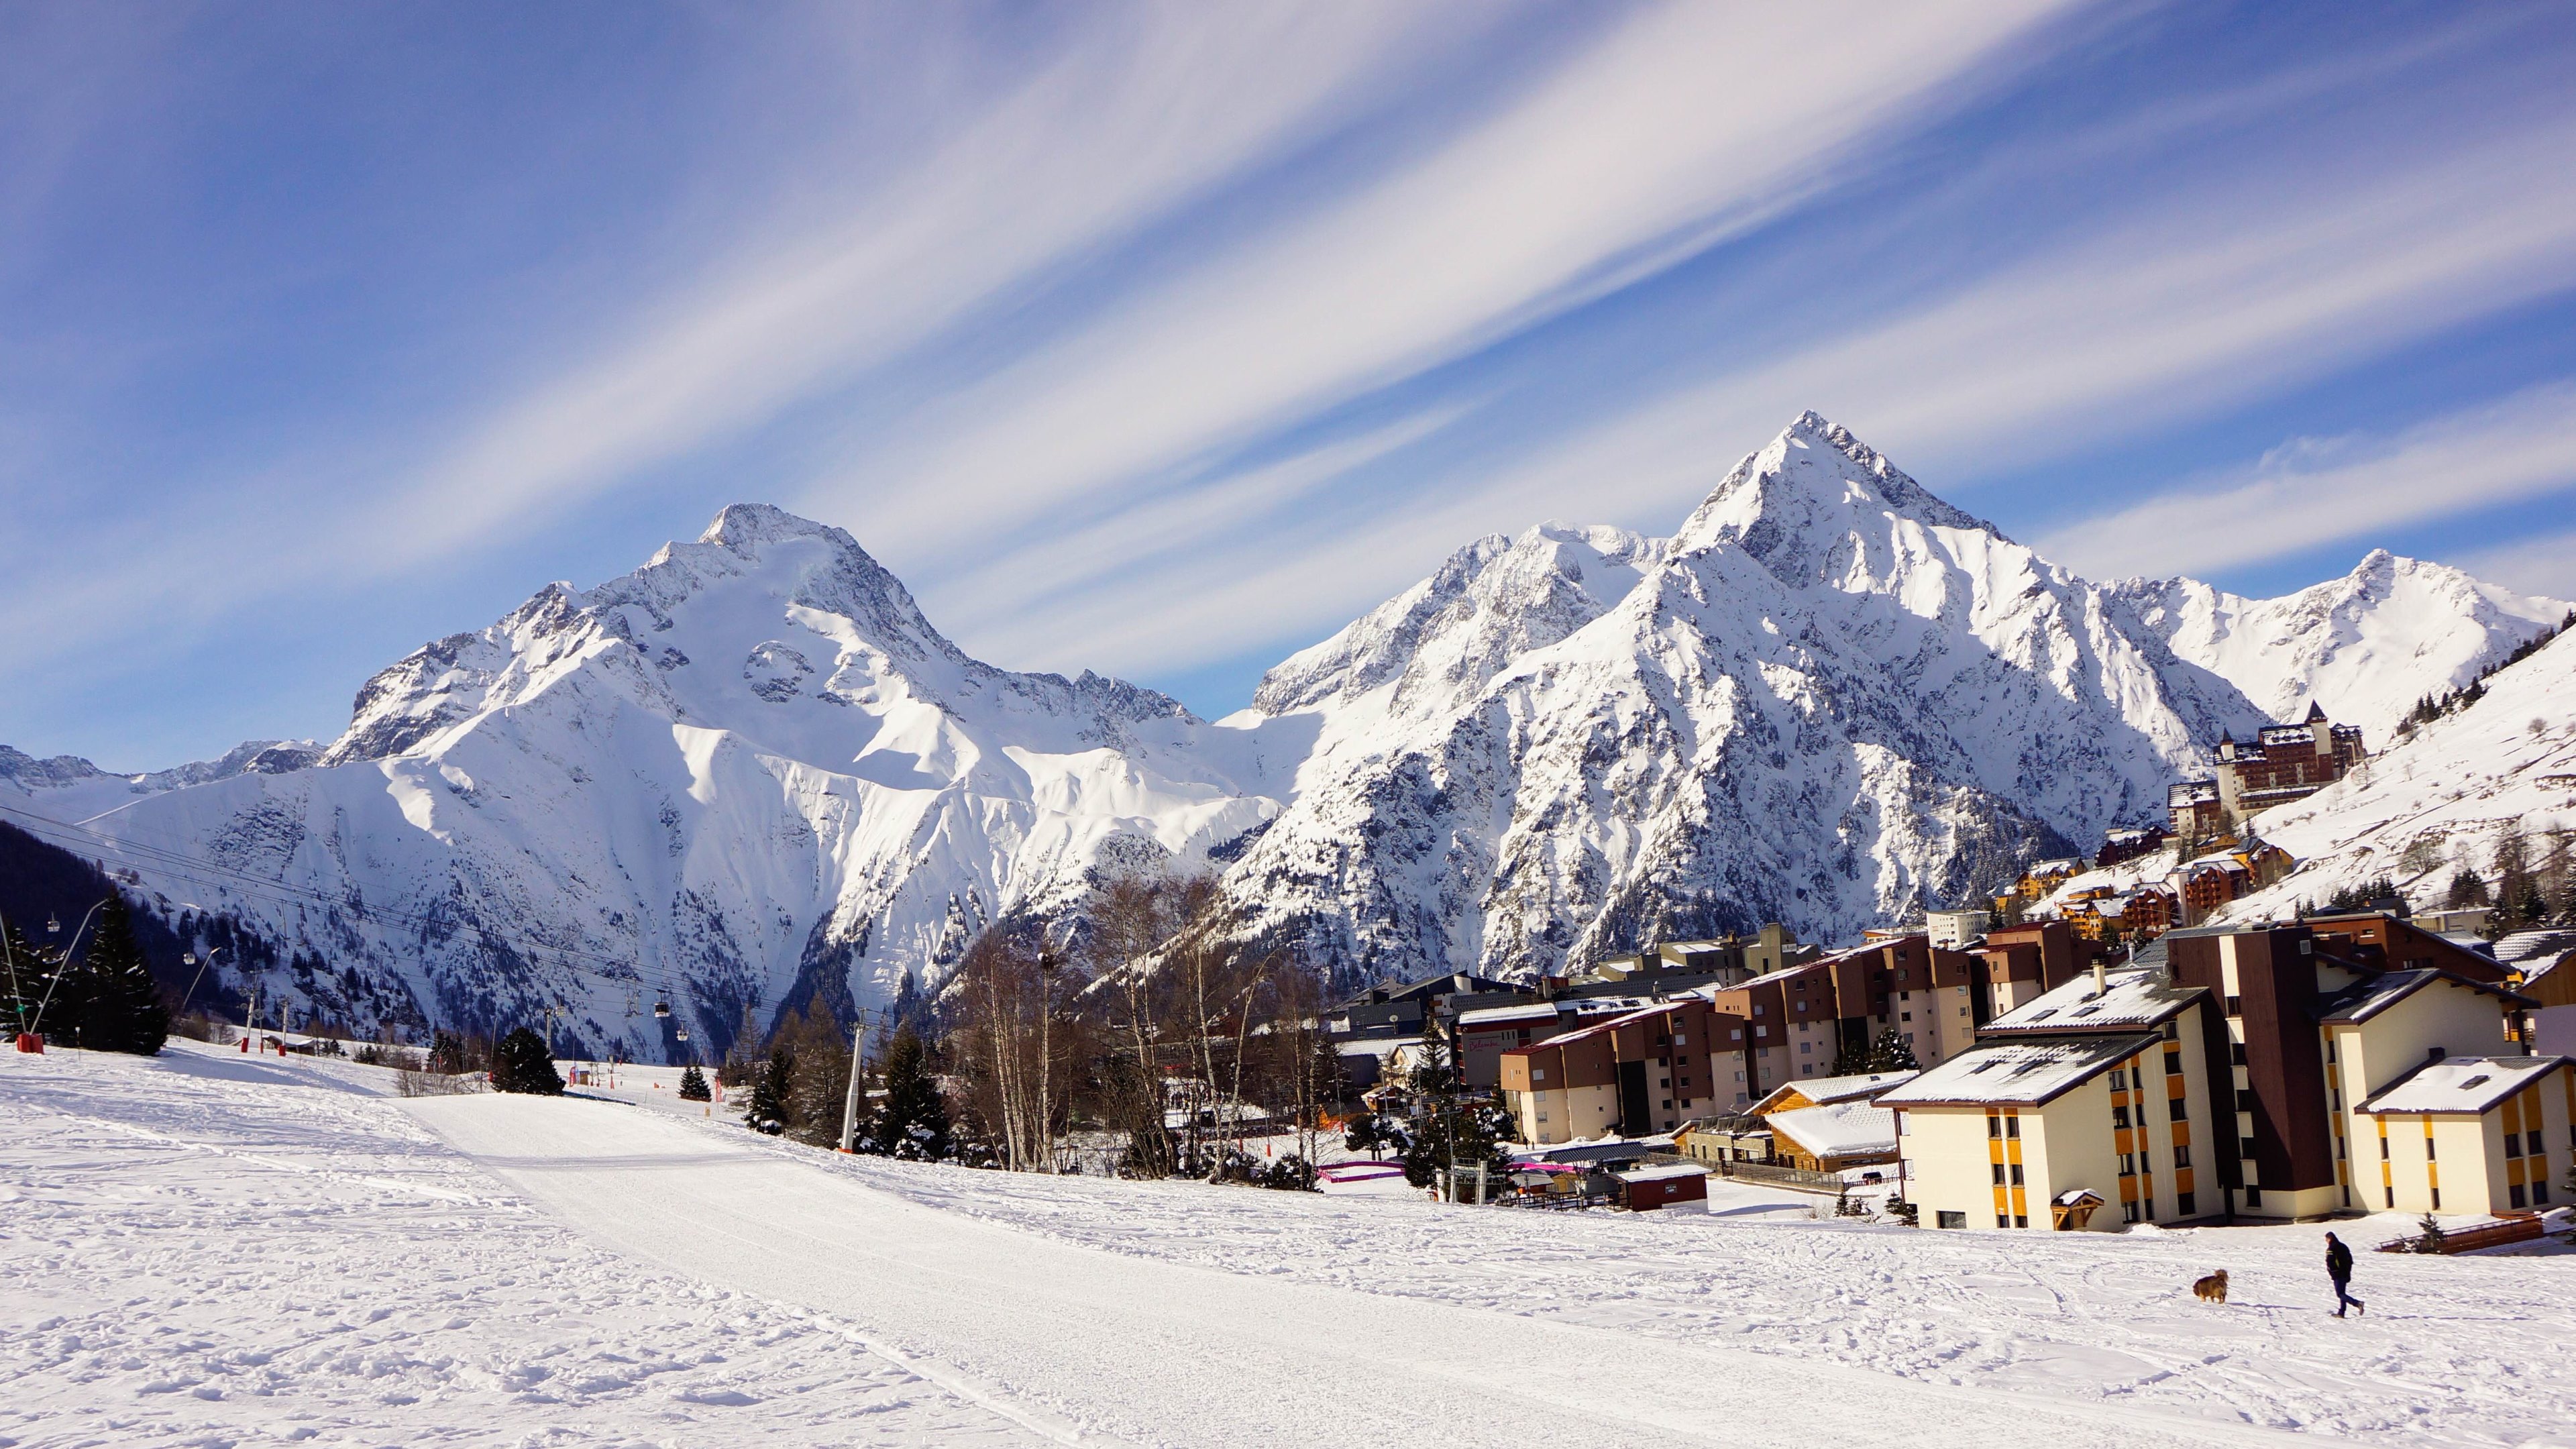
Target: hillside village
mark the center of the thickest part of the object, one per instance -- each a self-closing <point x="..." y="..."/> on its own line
<point x="2108" y="1041"/>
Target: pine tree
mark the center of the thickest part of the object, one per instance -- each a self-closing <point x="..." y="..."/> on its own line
<point x="913" y="1122"/>
<point x="693" y="1085"/>
<point x="23" y="974"/>
<point x="2467" y="891"/>
<point x="1892" y="1053"/>
<point x="120" y="1006"/>
<point x="522" y="1064"/>
<point x="2515" y="887"/>
<point x="768" y="1110"/>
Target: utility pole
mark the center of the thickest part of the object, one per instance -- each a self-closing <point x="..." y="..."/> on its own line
<point x="850" y="1100"/>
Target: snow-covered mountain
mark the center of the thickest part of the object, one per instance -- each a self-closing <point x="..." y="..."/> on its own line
<point x="1829" y="699"/>
<point x="68" y="787"/>
<point x="745" y="773"/>
<point x="2445" y="797"/>
<point x="2366" y="646"/>
<point x="752" y="771"/>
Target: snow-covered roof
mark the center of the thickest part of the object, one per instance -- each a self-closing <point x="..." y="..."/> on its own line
<point x="1838" y="1129"/>
<point x="1844" y="1088"/>
<point x="2024" y="1073"/>
<point x="2136" y="997"/>
<point x="1662" y="1172"/>
<point x="2365" y="999"/>
<point x="2533" y="948"/>
<point x="2461" y="1084"/>
<point x="1497" y="1015"/>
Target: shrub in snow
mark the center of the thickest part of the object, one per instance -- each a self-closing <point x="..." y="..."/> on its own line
<point x="521" y="1063"/>
<point x="693" y="1085"/>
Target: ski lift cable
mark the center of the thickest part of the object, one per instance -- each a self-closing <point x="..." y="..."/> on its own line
<point x="193" y="870"/>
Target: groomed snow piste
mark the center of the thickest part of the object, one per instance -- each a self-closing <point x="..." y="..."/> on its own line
<point x="208" y="1249"/>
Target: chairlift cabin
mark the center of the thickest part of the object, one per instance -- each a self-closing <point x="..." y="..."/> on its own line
<point x="661" y="1009"/>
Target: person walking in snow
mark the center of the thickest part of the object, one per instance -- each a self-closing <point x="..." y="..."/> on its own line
<point x="2339" y="1268"/>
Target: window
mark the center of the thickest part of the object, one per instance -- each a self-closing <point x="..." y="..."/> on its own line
<point x="2244" y="1099"/>
<point x="2392" y="1197"/>
<point x="2012" y="1127"/>
<point x="2253" y="1196"/>
<point x="2513" y="1148"/>
<point x="2003" y="1220"/>
<point x="2539" y="1191"/>
<point x="2236" y="1006"/>
<point x="2178" y="1109"/>
<point x="2437" y="1197"/>
<point x="1999" y="1173"/>
<point x="1806" y="1047"/>
<point x="2128" y="1165"/>
<point x="2245" y="1147"/>
<point x="2184" y="1204"/>
<point x="2021" y="1220"/>
<point x="1950" y="1220"/>
<point x="1736" y="1035"/>
<point x="2517" y="1194"/>
<point x="2236" y="1053"/>
<point x="2182" y="1156"/>
<point x="1538" y="1074"/>
<point x="2119" y="1116"/>
<point x="2119" y="1081"/>
<point x="2428" y="1149"/>
<point x="2016" y="1173"/>
<point x="1994" y="1125"/>
<point x="2173" y="1061"/>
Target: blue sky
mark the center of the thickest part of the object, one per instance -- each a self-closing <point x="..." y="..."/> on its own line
<point x="1165" y="340"/>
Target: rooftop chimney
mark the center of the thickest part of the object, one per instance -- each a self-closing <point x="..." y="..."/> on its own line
<point x="2101" y="978"/>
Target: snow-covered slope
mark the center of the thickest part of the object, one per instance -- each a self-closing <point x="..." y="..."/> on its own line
<point x="744" y="773"/>
<point x="2366" y="646"/>
<point x="1828" y="699"/>
<point x="752" y="770"/>
<point x="68" y="787"/>
<point x="2444" y="798"/>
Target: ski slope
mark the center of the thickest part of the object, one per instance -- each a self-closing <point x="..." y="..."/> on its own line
<point x="206" y="1249"/>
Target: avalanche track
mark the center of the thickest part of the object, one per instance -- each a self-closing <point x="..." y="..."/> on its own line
<point x="1085" y="1345"/>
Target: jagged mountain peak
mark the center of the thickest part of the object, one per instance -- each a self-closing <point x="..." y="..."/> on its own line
<point x="1792" y="501"/>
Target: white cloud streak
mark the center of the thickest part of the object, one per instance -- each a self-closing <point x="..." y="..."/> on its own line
<point x="2320" y="491"/>
<point x="1689" y="119"/>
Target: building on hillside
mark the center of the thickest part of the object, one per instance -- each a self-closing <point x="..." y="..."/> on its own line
<point x="1394" y="1009"/>
<point x="2129" y="844"/>
<point x="2468" y="1134"/>
<point x="2212" y="881"/>
<point x="2019" y="962"/>
<point x="1644" y="1072"/>
<point x="2463" y="921"/>
<point x="1725" y="960"/>
<point x="2101" y="1085"/>
<point x="1484" y="1033"/>
<point x="1835" y="1135"/>
<point x="2045" y="876"/>
<point x="2284" y="763"/>
<point x="2193" y="814"/>
<point x="2149" y="912"/>
<point x="1956" y="930"/>
<point x="1801" y="1021"/>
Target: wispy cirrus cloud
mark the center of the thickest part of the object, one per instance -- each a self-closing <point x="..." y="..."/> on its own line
<point x="1681" y="124"/>
<point x="2314" y="491"/>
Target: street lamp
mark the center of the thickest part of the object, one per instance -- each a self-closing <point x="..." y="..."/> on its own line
<point x="1048" y="965"/>
<point x="54" y="927"/>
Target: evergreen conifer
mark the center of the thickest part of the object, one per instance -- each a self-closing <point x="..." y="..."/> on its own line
<point x="522" y="1064"/>
<point x="1892" y="1053"/>
<point x="768" y="1109"/>
<point x="693" y="1085"/>
<point x="119" y="1005"/>
<point x="913" y="1122"/>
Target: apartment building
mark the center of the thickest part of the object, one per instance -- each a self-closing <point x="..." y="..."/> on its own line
<point x="1647" y="1071"/>
<point x="2348" y="1064"/>
<point x="2099" y="1087"/>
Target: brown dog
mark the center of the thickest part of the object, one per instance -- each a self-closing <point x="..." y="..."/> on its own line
<point x="2212" y="1289"/>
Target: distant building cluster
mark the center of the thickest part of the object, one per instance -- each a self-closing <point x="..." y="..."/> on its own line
<point x="2282" y="764"/>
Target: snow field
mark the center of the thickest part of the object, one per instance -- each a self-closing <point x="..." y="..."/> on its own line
<point x="209" y="1249"/>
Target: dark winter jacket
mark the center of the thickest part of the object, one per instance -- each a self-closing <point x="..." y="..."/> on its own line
<point x="2338" y="1262"/>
